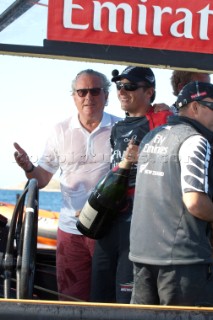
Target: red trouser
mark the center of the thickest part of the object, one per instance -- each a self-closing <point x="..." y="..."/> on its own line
<point x="73" y="264"/>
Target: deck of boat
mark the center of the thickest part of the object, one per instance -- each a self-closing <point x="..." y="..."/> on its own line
<point x="52" y="310"/>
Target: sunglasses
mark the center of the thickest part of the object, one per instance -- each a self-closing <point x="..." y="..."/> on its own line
<point x="207" y="104"/>
<point x="129" y="86"/>
<point x="93" y="91"/>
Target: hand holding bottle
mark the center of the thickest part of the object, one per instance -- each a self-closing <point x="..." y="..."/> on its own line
<point x="130" y="155"/>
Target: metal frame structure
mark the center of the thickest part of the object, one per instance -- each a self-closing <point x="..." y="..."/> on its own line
<point x="112" y="54"/>
<point x="25" y="309"/>
<point x="14" y="11"/>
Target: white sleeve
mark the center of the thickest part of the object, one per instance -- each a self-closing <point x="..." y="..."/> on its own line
<point x="194" y="156"/>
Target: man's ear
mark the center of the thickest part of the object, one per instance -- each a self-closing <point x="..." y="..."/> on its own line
<point x="194" y="107"/>
<point x="151" y="91"/>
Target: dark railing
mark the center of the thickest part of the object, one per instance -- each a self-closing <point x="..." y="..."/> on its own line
<point x="20" y="249"/>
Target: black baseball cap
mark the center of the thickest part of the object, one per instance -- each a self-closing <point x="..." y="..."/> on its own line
<point x="194" y="91"/>
<point x="135" y="74"/>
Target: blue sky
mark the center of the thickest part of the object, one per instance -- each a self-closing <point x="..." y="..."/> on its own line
<point x="35" y="92"/>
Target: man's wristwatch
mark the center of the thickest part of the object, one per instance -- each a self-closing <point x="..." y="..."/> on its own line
<point x="31" y="169"/>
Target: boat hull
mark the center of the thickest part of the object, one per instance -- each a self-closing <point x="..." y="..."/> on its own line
<point x="47" y="224"/>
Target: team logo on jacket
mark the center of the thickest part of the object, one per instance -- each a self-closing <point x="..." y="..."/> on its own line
<point x="127" y="134"/>
<point x="126" y="287"/>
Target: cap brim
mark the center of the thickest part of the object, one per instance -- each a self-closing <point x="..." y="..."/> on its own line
<point x="128" y="77"/>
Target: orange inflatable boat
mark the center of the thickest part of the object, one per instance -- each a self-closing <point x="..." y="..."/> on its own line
<point x="47" y="224"/>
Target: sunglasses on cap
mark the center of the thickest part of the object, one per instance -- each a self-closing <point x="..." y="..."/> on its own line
<point x="129" y="86"/>
<point x="207" y="104"/>
<point x="93" y="91"/>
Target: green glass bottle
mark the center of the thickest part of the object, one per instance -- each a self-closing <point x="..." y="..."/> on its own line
<point x="102" y="206"/>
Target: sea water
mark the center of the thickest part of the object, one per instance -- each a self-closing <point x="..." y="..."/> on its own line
<point x="48" y="200"/>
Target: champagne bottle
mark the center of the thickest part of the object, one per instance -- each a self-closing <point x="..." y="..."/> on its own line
<point x="102" y="206"/>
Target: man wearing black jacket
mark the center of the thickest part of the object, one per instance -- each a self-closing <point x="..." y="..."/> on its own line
<point x="112" y="271"/>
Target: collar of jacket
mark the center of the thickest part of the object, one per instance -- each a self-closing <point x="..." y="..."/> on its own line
<point x="208" y="134"/>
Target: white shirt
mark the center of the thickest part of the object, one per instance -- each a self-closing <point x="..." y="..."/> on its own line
<point x="83" y="158"/>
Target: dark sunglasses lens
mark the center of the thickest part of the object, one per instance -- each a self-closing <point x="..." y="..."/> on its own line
<point x="83" y="92"/>
<point x="95" y="91"/>
<point x="131" y="87"/>
<point x="127" y="86"/>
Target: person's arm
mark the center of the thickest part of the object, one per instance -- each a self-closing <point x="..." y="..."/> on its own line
<point x="43" y="177"/>
<point x="194" y="180"/>
<point x="199" y="205"/>
<point x="160" y="107"/>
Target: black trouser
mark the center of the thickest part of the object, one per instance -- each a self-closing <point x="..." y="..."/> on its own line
<point x="178" y="285"/>
<point x="112" y="271"/>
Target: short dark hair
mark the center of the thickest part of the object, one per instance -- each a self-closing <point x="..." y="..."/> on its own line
<point x="181" y="77"/>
